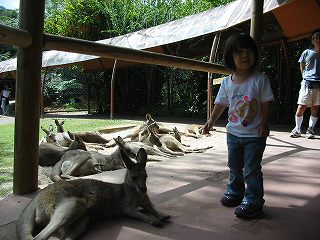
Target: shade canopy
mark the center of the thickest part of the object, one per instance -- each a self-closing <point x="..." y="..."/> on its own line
<point x="192" y="36"/>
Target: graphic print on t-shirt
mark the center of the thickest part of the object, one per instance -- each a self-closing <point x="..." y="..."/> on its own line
<point x="245" y="111"/>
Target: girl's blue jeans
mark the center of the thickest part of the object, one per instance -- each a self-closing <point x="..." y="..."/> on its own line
<point x="244" y="162"/>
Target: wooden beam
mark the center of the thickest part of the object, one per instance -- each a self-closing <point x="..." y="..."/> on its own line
<point x="128" y="54"/>
<point x="27" y="112"/>
<point x="14" y="36"/>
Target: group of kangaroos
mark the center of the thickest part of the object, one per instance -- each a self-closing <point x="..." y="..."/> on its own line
<point x="65" y="207"/>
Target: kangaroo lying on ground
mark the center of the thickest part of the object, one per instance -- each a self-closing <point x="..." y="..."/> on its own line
<point x="88" y="137"/>
<point x="171" y="145"/>
<point x="133" y="147"/>
<point x="139" y="131"/>
<point x="66" y="207"/>
<point x="77" y="163"/>
<point x="50" y="154"/>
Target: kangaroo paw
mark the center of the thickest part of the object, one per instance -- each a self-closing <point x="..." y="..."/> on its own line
<point x="158" y="223"/>
<point x="165" y="218"/>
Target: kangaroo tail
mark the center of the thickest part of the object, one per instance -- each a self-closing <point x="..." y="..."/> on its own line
<point x="26" y="223"/>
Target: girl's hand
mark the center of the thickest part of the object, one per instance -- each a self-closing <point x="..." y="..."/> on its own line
<point x="206" y="128"/>
<point x="264" y="131"/>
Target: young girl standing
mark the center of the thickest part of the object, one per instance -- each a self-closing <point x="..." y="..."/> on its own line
<point x="248" y="95"/>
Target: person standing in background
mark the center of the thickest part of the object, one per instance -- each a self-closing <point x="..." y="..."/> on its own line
<point x="5" y="94"/>
<point x="309" y="94"/>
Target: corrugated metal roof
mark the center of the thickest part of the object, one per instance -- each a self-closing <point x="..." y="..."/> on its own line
<point x="210" y="21"/>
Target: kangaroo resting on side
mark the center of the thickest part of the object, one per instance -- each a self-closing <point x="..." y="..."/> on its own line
<point x="77" y="163"/>
<point x="170" y="145"/>
<point x="50" y="154"/>
<point x="66" y="207"/>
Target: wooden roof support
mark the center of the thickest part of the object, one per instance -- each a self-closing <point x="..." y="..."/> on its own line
<point x="14" y="36"/>
<point x="128" y="54"/>
<point x="112" y="90"/>
<point x="27" y="112"/>
<point x="212" y="58"/>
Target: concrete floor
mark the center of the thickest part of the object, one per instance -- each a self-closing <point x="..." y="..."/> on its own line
<point x="189" y="189"/>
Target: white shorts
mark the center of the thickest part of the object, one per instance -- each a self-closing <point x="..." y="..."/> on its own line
<point x="308" y="97"/>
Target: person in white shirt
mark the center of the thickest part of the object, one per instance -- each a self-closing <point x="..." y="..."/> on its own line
<point x="309" y="94"/>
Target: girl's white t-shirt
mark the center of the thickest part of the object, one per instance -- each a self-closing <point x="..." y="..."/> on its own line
<point x="244" y="100"/>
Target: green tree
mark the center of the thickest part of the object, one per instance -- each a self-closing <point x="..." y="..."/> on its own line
<point x="10" y="18"/>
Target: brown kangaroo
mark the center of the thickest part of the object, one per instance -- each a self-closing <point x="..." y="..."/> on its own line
<point x="77" y="163"/>
<point x="50" y="154"/>
<point x="133" y="147"/>
<point x="171" y="145"/>
<point x="66" y="207"/>
<point x="88" y="137"/>
<point x="50" y="136"/>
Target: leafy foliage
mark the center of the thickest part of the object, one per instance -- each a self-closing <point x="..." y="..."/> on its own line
<point x="141" y="89"/>
<point x="63" y="87"/>
<point x="10" y="18"/>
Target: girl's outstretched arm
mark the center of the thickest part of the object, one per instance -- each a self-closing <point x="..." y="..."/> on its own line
<point x="216" y="113"/>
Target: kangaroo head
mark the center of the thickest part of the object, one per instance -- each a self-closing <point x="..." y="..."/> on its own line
<point x="59" y="125"/>
<point x="71" y="135"/>
<point x="151" y="123"/>
<point x="148" y="117"/>
<point x="124" y="147"/>
<point x="154" y="138"/>
<point x="119" y="140"/>
<point x="136" y="175"/>
<point x="50" y="136"/>
<point x="77" y="143"/>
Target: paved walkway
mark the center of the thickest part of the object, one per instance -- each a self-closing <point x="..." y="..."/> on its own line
<point x="189" y="188"/>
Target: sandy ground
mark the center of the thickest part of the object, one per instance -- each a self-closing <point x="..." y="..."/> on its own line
<point x="216" y="140"/>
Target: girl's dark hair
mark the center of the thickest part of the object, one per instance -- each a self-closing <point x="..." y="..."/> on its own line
<point x="235" y="42"/>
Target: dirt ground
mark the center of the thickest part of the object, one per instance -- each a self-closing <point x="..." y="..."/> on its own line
<point x="215" y="140"/>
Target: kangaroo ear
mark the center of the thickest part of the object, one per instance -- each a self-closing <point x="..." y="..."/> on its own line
<point x="142" y="156"/>
<point x="127" y="161"/>
<point x="148" y="116"/>
<point x="56" y="121"/>
<point x="71" y="135"/>
<point x="51" y="128"/>
<point x="45" y="130"/>
<point x="62" y="123"/>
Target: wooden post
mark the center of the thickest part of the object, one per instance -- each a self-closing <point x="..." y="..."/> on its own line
<point x="257" y="22"/>
<point x="112" y="89"/>
<point x="86" y="76"/>
<point x="212" y="58"/>
<point x="42" y="93"/>
<point x="27" y="112"/>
